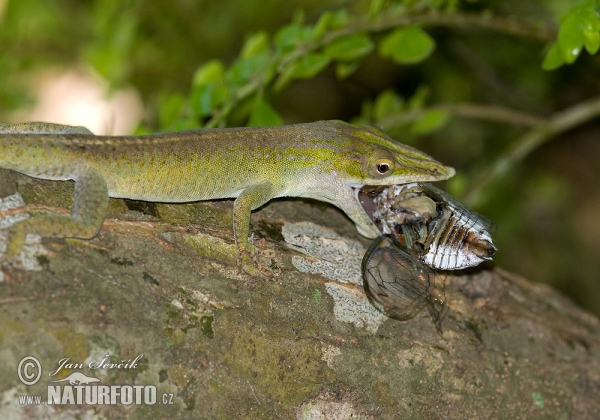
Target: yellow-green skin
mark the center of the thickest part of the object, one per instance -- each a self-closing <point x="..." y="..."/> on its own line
<point x="326" y="160"/>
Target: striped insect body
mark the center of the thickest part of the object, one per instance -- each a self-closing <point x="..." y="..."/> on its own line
<point x="443" y="232"/>
<point x="424" y="229"/>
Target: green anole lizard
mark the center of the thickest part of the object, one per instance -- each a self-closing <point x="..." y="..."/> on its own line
<point x="326" y="160"/>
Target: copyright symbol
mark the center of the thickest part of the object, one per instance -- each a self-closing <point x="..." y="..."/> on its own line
<point x="29" y="370"/>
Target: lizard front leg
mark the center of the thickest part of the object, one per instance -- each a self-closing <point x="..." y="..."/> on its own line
<point x="89" y="209"/>
<point x="249" y="199"/>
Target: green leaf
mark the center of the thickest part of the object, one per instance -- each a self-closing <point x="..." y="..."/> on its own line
<point x="418" y="99"/>
<point x="304" y="68"/>
<point x="328" y="21"/>
<point x="349" y="47"/>
<point x="212" y="71"/>
<point x="206" y="97"/>
<point x="430" y="121"/>
<point x="407" y="45"/>
<point x="208" y="88"/>
<point x="579" y="27"/>
<point x="170" y="108"/>
<point x="376" y="7"/>
<point x="340" y="19"/>
<point x="553" y="59"/>
<point x="322" y="25"/>
<point x="284" y="78"/>
<point x="344" y="69"/>
<point x="387" y="103"/>
<point x="257" y="43"/>
<point x="257" y="66"/>
<point x="592" y="42"/>
<point x="570" y="36"/>
<point x="591" y="32"/>
<point x="263" y="115"/>
<point x="309" y="65"/>
<point x="291" y="36"/>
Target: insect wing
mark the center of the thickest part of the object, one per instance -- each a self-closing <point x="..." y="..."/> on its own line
<point x="478" y="221"/>
<point x="396" y="284"/>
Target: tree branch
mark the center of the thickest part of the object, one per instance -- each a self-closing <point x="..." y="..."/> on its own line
<point x="466" y="21"/>
<point x="471" y="110"/>
<point x="559" y="123"/>
<point x="494" y="113"/>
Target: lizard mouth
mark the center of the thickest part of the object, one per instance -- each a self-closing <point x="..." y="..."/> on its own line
<point x="364" y="195"/>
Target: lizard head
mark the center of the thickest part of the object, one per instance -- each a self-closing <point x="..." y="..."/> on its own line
<point x="375" y="159"/>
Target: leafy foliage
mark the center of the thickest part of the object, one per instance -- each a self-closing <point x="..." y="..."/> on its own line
<point x="302" y="51"/>
<point x="407" y="45"/>
<point x="579" y="29"/>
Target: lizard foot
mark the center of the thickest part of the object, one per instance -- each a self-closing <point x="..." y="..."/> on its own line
<point x="247" y="261"/>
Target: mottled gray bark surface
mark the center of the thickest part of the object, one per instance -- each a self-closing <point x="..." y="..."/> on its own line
<point x="295" y="345"/>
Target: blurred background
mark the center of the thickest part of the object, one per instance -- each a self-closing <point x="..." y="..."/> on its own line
<point x="466" y="85"/>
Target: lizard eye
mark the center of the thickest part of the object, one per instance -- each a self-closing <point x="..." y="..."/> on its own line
<point x="383" y="166"/>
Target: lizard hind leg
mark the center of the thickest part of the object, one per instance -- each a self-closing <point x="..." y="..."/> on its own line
<point x="89" y="209"/>
<point x="249" y="199"/>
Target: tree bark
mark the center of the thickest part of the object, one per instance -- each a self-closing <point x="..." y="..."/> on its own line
<point x="302" y="343"/>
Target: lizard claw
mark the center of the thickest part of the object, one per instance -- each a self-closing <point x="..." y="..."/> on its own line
<point x="247" y="261"/>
